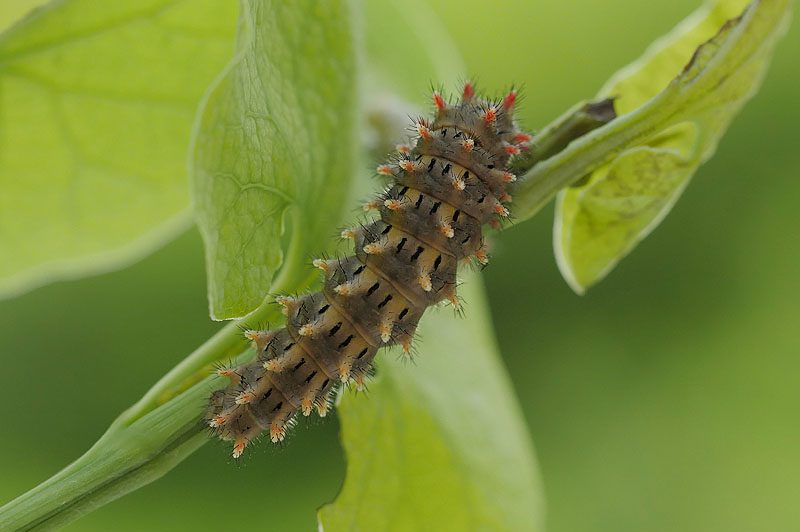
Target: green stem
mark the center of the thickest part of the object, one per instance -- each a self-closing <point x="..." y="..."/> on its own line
<point x="580" y="156"/>
<point x="575" y="123"/>
<point x="124" y="459"/>
<point x="155" y="434"/>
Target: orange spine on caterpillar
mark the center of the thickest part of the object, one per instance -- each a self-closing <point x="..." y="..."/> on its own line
<point x="443" y="190"/>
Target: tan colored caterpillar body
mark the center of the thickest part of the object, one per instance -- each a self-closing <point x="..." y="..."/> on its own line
<point x="445" y="188"/>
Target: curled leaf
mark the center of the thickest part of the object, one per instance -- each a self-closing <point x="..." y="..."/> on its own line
<point x="601" y="220"/>
<point x="276" y="144"/>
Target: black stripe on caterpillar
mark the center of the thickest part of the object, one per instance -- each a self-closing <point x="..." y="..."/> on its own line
<point x="444" y="189"/>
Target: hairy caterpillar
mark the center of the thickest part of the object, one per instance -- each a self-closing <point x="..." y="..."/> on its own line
<point x="443" y="190"/>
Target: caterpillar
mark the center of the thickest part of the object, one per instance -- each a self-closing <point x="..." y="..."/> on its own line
<point x="442" y="191"/>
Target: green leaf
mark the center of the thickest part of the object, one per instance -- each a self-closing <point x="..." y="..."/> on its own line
<point x="439" y="444"/>
<point x="97" y="102"/>
<point x="602" y="219"/>
<point x="276" y="144"/>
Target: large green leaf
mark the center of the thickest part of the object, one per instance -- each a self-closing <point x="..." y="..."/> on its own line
<point x="439" y="444"/>
<point x="97" y="102"/>
<point x="602" y="219"/>
<point x="276" y="144"/>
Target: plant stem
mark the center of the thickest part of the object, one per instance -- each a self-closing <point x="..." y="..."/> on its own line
<point x="576" y="122"/>
<point x="580" y="151"/>
<point x="154" y="435"/>
<point x="124" y="459"/>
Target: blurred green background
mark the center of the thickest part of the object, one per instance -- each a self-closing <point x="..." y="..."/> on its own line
<point x="666" y="399"/>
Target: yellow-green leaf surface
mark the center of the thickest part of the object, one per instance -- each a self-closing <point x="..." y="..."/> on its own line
<point x="97" y="101"/>
<point x="439" y="444"/>
<point x="276" y="144"/>
<point x="673" y="127"/>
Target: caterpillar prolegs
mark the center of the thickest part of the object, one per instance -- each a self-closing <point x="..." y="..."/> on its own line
<point x="443" y="190"/>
